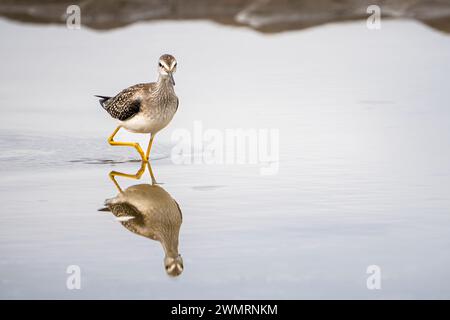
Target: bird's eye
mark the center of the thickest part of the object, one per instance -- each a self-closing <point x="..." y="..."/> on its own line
<point x="175" y="65"/>
<point x="160" y="64"/>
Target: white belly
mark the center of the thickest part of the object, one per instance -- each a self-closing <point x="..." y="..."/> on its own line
<point x="144" y="124"/>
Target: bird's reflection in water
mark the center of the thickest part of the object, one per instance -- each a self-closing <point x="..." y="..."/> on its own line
<point x="149" y="210"/>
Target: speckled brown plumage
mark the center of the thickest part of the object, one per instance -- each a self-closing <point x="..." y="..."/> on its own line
<point x="153" y="214"/>
<point x="146" y="107"/>
<point x="125" y="104"/>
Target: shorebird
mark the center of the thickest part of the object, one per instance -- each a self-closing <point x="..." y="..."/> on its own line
<point x="150" y="211"/>
<point x="145" y="107"/>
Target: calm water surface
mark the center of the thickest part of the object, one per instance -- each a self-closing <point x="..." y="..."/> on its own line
<point x="364" y="175"/>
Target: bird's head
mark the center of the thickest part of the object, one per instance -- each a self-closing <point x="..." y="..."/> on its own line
<point x="167" y="67"/>
<point x="174" y="265"/>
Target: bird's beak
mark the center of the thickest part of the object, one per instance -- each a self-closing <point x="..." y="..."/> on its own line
<point x="171" y="78"/>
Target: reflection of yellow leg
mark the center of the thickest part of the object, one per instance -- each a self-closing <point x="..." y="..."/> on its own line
<point x="129" y="144"/>
<point x="151" y="173"/>
<point x="136" y="176"/>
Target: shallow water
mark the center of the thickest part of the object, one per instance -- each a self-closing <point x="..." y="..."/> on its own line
<point x="363" y="179"/>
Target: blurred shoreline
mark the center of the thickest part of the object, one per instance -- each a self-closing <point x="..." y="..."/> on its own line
<point x="268" y="16"/>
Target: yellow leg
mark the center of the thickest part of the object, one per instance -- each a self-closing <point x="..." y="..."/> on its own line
<point x="137" y="175"/>
<point x="150" y="143"/>
<point x="129" y="144"/>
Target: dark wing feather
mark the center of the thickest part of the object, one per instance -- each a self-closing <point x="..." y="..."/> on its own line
<point x="103" y="99"/>
<point x="125" y="209"/>
<point x="124" y="105"/>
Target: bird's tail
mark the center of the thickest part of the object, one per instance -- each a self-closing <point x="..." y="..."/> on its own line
<point x="103" y="100"/>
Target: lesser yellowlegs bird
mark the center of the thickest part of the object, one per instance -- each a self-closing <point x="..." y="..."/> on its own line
<point x="150" y="211"/>
<point x="145" y="107"/>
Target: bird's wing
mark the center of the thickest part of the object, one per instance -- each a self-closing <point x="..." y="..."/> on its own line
<point x="125" y="104"/>
<point x="135" y="223"/>
<point x="103" y="99"/>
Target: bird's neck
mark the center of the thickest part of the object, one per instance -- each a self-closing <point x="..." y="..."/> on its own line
<point x="164" y="84"/>
<point x="169" y="241"/>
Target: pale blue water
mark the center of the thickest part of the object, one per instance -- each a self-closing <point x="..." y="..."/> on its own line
<point x="363" y="179"/>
